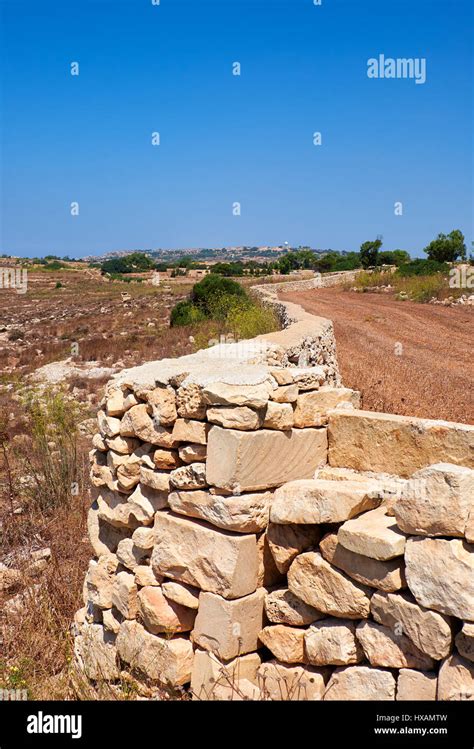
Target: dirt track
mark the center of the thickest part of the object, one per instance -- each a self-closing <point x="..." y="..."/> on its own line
<point x="434" y="375"/>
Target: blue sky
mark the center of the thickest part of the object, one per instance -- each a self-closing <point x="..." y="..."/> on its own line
<point x="225" y="138"/>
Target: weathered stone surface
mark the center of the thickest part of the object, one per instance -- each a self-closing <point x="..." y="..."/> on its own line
<point x="222" y="394"/>
<point x="229" y="628"/>
<point x="321" y="501"/>
<point x="268" y="573"/>
<point x="190" y="402"/>
<point x="112" y="620"/>
<point x="388" y="576"/>
<point x="437" y="502"/>
<point x="95" y="650"/>
<point x="469" y="531"/>
<point x="286" y="643"/>
<point x="278" y="416"/>
<point x="159" y="615"/>
<point x="332" y="642"/>
<point x="428" y="630"/>
<point x="413" y="686"/>
<point x="166" y="459"/>
<point x="130" y="555"/>
<point x="181" y="593"/>
<point x="137" y="422"/>
<point x="285" y="394"/>
<point x="157" y="480"/>
<point x="280" y="681"/>
<point x="192" y="552"/>
<point x="400" y="445"/>
<point x="312" y="407"/>
<point x="124" y="594"/>
<point x="100" y="580"/>
<point x="144" y="575"/>
<point x="456" y="679"/>
<point x="109" y="425"/>
<point x="282" y="376"/>
<point x="465" y="641"/>
<point x="189" y="430"/>
<point x="193" y="453"/>
<point x="129" y="512"/>
<point x="99" y="443"/>
<point x="144" y="538"/>
<point x="192" y="476"/>
<point x="283" y="607"/>
<point x="9" y="577"/>
<point x="309" y="378"/>
<point x="157" y="657"/>
<point x="235" y="417"/>
<point x="360" y="683"/>
<point x="384" y="648"/>
<point x="319" y="584"/>
<point x="374" y="534"/>
<point x="163" y="403"/>
<point x="103" y="536"/>
<point x="440" y="575"/>
<point x="115" y="403"/>
<point x="247" y="513"/>
<point x="122" y="445"/>
<point x="263" y="459"/>
<point x="210" y="674"/>
<point x="287" y="541"/>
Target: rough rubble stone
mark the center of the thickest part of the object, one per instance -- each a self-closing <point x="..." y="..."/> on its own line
<point x="414" y="686"/>
<point x="285" y="394"/>
<point x="440" y="575"/>
<point x="312" y="407"/>
<point x="193" y="453"/>
<point x="159" y="615"/>
<point x="104" y="537"/>
<point x="222" y="394"/>
<point x="278" y="416"/>
<point x="362" y="683"/>
<point x="319" y="584"/>
<point x="129" y="555"/>
<point x="190" y="401"/>
<point x="374" y="534"/>
<point x="229" y="628"/>
<point x="192" y="552"/>
<point x="465" y="641"/>
<point x="387" y="576"/>
<point x="249" y="461"/>
<point x="286" y="643"/>
<point x="283" y="607"/>
<point x="287" y="541"/>
<point x="163" y="403"/>
<point x="144" y="575"/>
<point x="181" y="593"/>
<point x="157" y="657"/>
<point x="456" y="679"/>
<point x="247" y="513"/>
<point x="192" y="476"/>
<point x="209" y="674"/>
<point x="190" y="430"/>
<point x="100" y="580"/>
<point x="166" y="459"/>
<point x="428" y="630"/>
<point x="384" y="648"/>
<point x="124" y="594"/>
<point x="95" y="650"/>
<point x="332" y="642"/>
<point x="235" y="417"/>
<point x="280" y="681"/>
<point x="157" y="480"/>
<point x="321" y="501"/>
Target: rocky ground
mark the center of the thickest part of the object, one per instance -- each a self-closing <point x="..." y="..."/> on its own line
<point x="406" y="358"/>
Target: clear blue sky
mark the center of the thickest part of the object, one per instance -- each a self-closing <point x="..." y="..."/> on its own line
<point x="224" y="138"/>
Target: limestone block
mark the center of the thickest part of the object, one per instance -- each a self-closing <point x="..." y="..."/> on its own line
<point x="229" y="628"/>
<point x="181" y="593"/>
<point x="159" y="615"/>
<point x="109" y="425"/>
<point x="456" y="679"/>
<point x="287" y="541"/>
<point x="129" y="555"/>
<point x="190" y="430"/>
<point x="124" y="594"/>
<point x="362" y="683"/>
<point x="286" y="643"/>
<point x="137" y="422"/>
<point x="437" y="502"/>
<point x="163" y="403"/>
<point x="209" y="673"/>
<point x="327" y="589"/>
<point x="193" y="552"/>
<point x="222" y="394"/>
<point x="112" y="620"/>
<point x="332" y="642"/>
<point x="193" y="453"/>
<point x="387" y="576"/>
<point x="166" y="459"/>
<point x="369" y="441"/>
<point x="95" y="650"/>
<point x="247" y="513"/>
<point x="104" y="538"/>
<point x="373" y="534"/>
<point x="321" y="501"/>
<point x="414" y="686"/>
<point x="190" y="402"/>
<point x="235" y="417"/>
<point x="157" y="657"/>
<point x="285" y="394"/>
<point x="100" y="580"/>
<point x="192" y="476"/>
<point x="440" y="575"/>
<point x="428" y="630"/>
<point x="283" y="607"/>
<point x="278" y="416"/>
<point x="263" y="459"/>
<point x="122" y="445"/>
<point x="312" y="407"/>
<point x="384" y="648"/>
<point x="144" y="538"/>
<point x="465" y="641"/>
<point x="281" y="681"/>
<point x="144" y="575"/>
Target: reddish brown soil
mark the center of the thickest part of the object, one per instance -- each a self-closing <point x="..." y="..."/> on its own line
<point x="434" y="375"/>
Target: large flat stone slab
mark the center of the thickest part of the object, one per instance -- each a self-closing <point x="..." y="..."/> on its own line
<point x="321" y="501"/>
<point x="373" y="534"/>
<point x="369" y="441"/>
<point x="248" y="461"/>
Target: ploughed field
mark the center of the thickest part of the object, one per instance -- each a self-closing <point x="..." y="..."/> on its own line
<point x="406" y="358"/>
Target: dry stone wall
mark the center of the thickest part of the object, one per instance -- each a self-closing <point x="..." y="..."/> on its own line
<point x="257" y="536"/>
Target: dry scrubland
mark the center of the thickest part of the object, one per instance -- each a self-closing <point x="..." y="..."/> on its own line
<point x="432" y="379"/>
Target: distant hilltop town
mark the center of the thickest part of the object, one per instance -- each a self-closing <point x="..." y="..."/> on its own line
<point x="210" y="254"/>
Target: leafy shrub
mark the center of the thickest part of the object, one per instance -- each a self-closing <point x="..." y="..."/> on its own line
<point x="186" y="313"/>
<point x="421" y="267"/>
<point x="206" y="293"/>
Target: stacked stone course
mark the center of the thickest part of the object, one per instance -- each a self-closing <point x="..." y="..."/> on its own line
<point x="253" y="538"/>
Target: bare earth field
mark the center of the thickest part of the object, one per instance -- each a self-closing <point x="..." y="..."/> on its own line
<point x="433" y="375"/>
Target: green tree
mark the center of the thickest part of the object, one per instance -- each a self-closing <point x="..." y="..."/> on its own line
<point x="447" y="248"/>
<point x="369" y="253"/>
